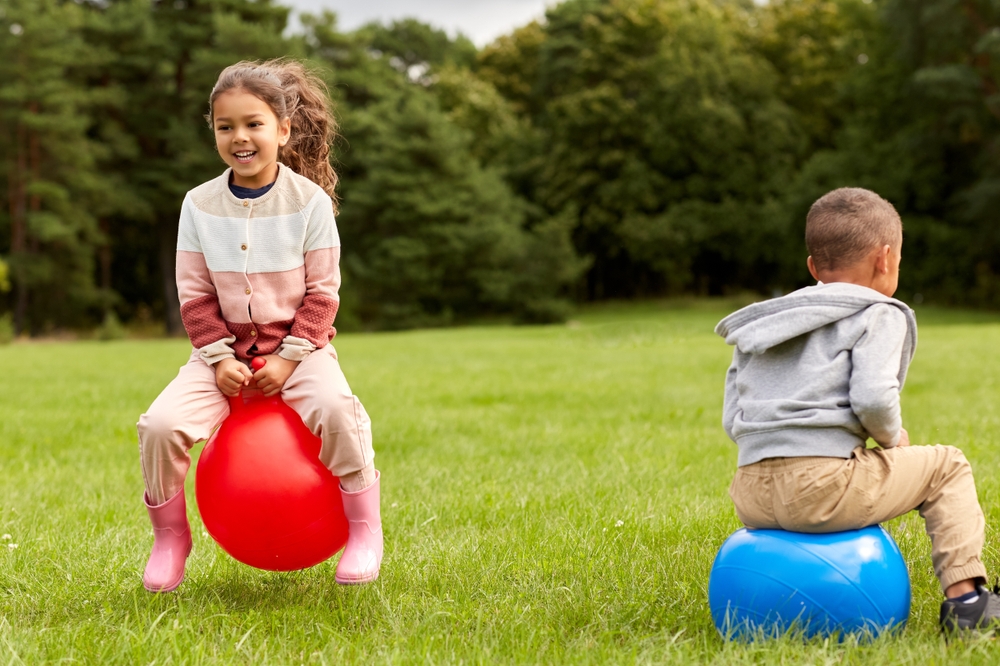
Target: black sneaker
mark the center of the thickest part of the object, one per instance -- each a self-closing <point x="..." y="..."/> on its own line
<point x="981" y="614"/>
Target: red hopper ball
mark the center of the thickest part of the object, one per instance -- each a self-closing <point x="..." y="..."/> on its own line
<point x="262" y="492"/>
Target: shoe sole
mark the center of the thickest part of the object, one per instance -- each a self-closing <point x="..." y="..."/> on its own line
<point x="169" y="588"/>
<point x="355" y="581"/>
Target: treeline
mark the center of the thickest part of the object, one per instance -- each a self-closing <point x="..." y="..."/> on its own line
<point x="620" y="148"/>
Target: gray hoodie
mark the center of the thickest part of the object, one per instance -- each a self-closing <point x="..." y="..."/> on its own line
<point x="816" y="372"/>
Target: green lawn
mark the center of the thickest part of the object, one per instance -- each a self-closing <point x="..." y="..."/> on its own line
<point x="550" y="494"/>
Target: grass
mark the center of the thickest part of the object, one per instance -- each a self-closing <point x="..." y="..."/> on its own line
<point x="550" y="494"/>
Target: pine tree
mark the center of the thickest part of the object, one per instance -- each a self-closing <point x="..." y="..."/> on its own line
<point x="48" y="162"/>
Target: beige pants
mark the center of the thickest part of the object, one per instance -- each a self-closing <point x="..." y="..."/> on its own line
<point x="191" y="406"/>
<point x="874" y="485"/>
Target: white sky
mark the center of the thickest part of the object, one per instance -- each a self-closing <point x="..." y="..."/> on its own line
<point x="482" y="21"/>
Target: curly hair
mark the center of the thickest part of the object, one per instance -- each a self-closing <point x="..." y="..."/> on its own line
<point x="292" y="92"/>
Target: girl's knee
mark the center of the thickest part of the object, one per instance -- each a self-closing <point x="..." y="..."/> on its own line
<point x="346" y="409"/>
<point x="159" y="430"/>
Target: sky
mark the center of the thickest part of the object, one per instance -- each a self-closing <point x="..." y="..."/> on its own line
<point x="482" y="21"/>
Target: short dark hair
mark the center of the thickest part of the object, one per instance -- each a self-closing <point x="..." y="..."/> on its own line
<point x="846" y="224"/>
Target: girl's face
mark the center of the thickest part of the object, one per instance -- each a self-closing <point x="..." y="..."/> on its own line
<point x="247" y="136"/>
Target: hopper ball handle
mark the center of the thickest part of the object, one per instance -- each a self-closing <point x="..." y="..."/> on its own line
<point x="236" y="401"/>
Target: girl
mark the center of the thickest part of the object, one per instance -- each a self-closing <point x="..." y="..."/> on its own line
<point x="258" y="275"/>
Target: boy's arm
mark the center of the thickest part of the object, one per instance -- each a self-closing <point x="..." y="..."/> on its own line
<point x="874" y="386"/>
<point x="729" y="400"/>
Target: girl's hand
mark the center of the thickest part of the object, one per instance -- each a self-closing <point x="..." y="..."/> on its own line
<point x="272" y="377"/>
<point x="231" y="376"/>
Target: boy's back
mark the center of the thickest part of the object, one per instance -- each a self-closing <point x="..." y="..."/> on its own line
<point x="816" y="372"/>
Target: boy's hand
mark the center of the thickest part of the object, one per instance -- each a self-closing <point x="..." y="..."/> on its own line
<point x="231" y="376"/>
<point x="904" y="438"/>
<point x="272" y="377"/>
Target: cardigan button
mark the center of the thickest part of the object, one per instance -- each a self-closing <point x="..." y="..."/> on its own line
<point x="248" y="291"/>
<point x="246" y="203"/>
<point x="253" y="334"/>
<point x="243" y="247"/>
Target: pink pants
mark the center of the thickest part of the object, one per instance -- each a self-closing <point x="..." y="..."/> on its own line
<point x="191" y="406"/>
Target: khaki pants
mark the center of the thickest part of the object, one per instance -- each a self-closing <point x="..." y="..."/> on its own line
<point x="191" y="406"/>
<point x="832" y="494"/>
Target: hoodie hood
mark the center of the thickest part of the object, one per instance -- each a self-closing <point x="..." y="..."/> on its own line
<point x="761" y="326"/>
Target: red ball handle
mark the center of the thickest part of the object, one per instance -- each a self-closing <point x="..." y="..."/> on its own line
<point x="236" y="401"/>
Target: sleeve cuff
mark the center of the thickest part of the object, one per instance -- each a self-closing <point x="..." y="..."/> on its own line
<point x="295" y="349"/>
<point x="893" y="442"/>
<point x="215" y="352"/>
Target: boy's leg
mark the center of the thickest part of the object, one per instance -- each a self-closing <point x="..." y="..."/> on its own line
<point x="875" y="485"/>
<point x="185" y="412"/>
<point x="320" y="394"/>
<point x="937" y="481"/>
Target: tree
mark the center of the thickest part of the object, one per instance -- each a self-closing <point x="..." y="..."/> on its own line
<point x="431" y="235"/>
<point x="414" y="47"/>
<point x="921" y="130"/>
<point x="950" y="52"/>
<point x="815" y="47"/>
<point x="48" y="163"/>
<point x="660" y="133"/>
<point x="511" y="64"/>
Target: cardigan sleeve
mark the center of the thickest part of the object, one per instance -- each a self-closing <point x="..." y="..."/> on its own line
<point x="200" y="311"/>
<point x="312" y="326"/>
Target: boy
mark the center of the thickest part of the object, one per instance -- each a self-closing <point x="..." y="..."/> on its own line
<point x="815" y="374"/>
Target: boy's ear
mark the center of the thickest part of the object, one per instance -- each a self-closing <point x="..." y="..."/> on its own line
<point x="812" y="268"/>
<point x="882" y="259"/>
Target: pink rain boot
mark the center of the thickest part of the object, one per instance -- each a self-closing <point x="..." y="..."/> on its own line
<point x="171" y="544"/>
<point x="363" y="553"/>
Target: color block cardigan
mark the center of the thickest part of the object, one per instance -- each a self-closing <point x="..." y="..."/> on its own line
<point x="258" y="276"/>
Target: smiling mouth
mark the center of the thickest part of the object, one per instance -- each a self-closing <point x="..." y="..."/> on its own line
<point x="244" y="156"/>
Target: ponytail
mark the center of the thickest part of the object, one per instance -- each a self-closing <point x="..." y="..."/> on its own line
<point x="296" y="93"/>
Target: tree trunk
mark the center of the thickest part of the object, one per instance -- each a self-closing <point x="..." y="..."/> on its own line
<point x="34" y="201"/>
<point x="104" y="259"/>
<point x="19" y="228"/>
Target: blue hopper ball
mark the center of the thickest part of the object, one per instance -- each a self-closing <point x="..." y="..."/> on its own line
<point x="767" y="582"/>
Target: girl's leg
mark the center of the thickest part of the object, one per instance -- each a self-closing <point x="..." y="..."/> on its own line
<point x="319" y="393"/>
<point x="185" y="412"/>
